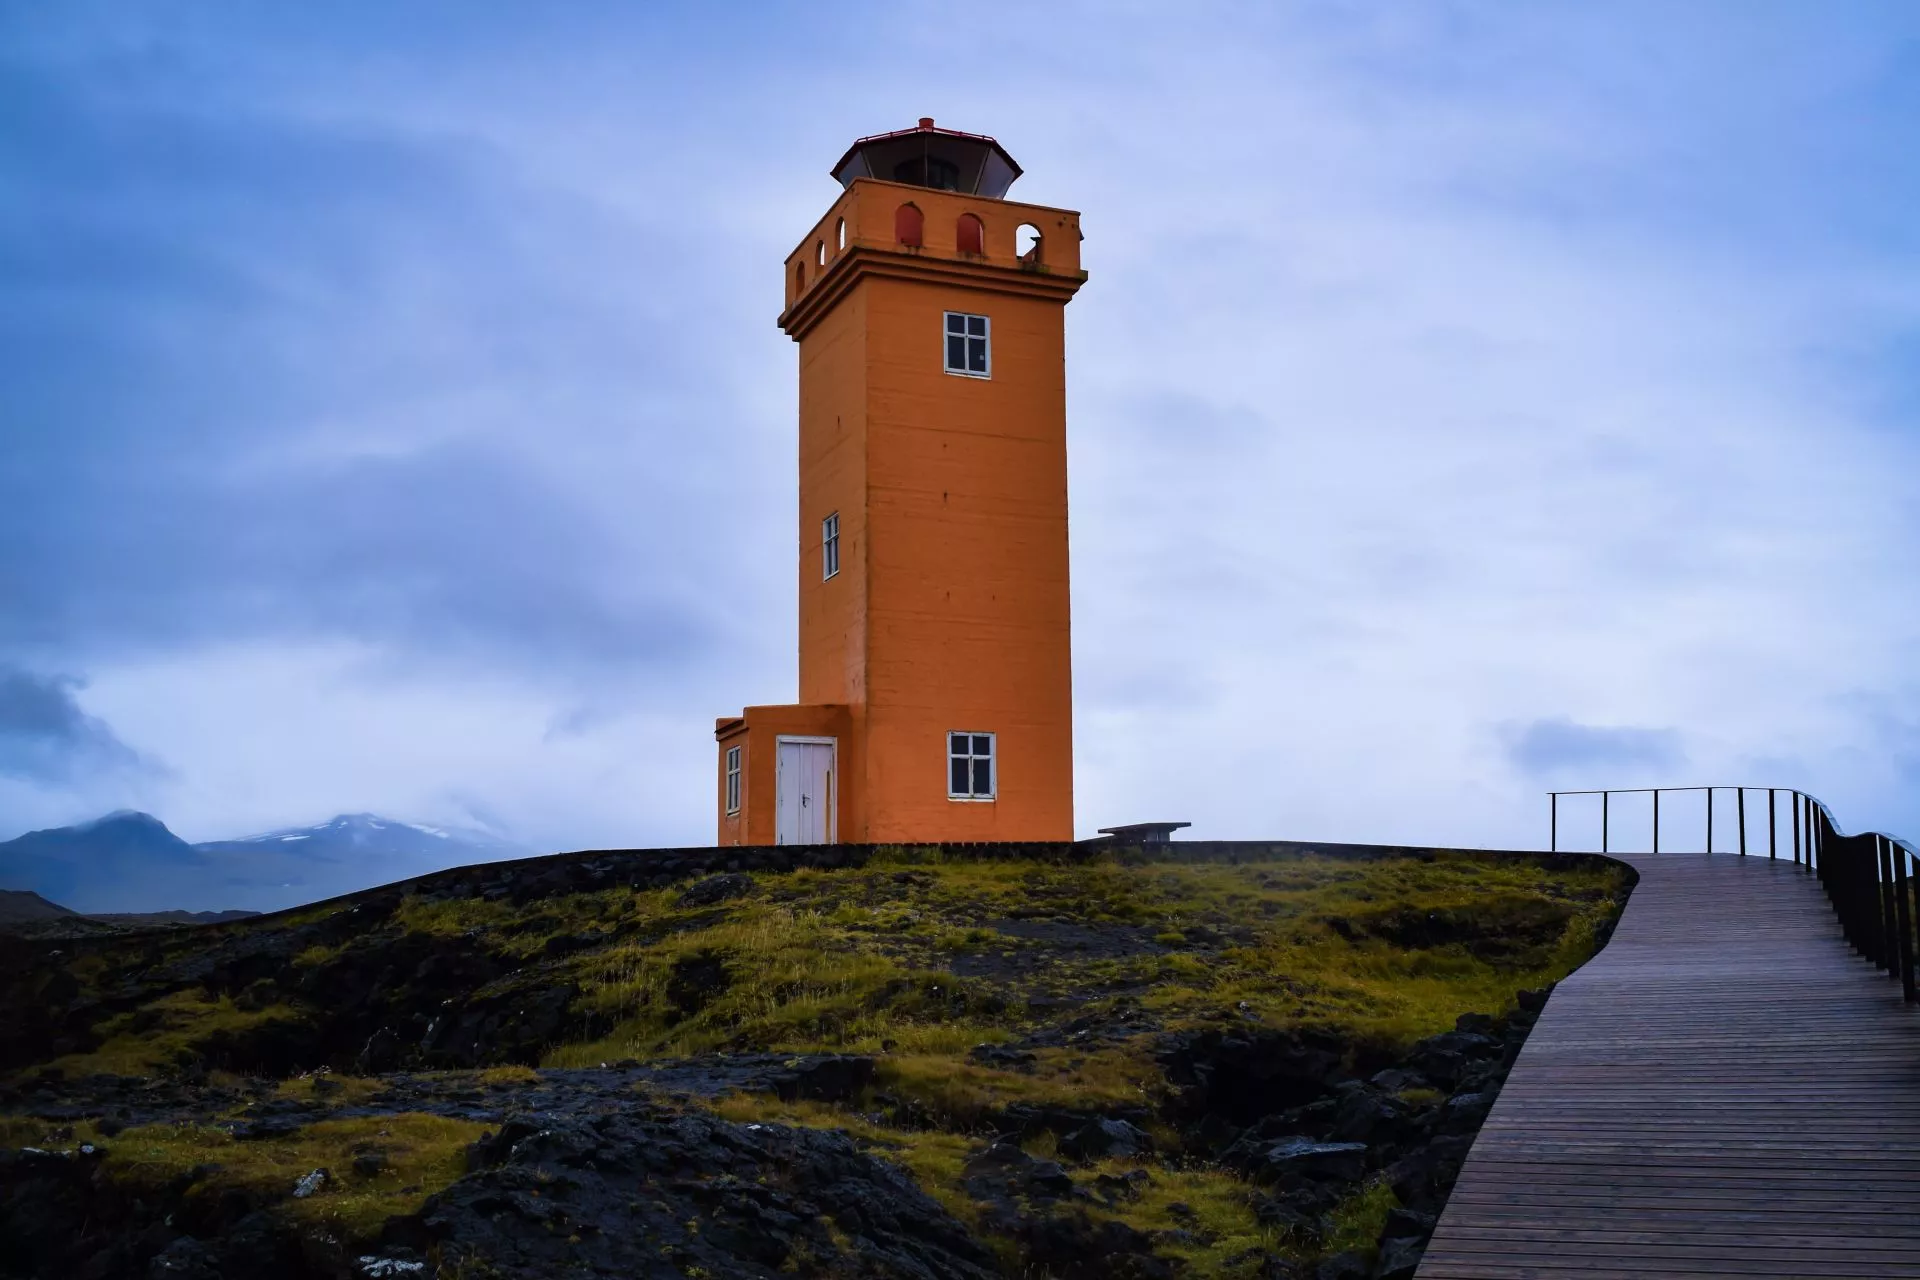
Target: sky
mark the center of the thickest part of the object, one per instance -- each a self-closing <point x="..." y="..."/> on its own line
<point x="1466" y="400"/>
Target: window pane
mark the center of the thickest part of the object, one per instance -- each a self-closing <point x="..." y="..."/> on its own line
<point x="977" y="326"/>
<point x="982" y="744"/>
<point x="983" y="777"/>
<point x="956" y="744"/>
<point x="958" y="785"/>
<point x="956" y="352"/>
<point x="977" y="355"/>
<point x="956" y="323"/>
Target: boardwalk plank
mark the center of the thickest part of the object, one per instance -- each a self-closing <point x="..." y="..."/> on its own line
<point x="1726" y="1090"/>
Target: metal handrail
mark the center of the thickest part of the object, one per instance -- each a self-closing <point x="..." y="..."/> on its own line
<point x="1869" y="877"/>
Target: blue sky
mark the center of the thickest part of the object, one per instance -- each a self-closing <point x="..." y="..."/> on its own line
<point x="1467" y="399"/>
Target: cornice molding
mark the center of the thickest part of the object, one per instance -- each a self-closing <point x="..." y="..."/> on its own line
<point x="861" y="261"/>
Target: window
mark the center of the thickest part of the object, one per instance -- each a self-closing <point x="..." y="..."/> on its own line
<point x="840" y="233"/>
<point x="967" y="345"/>
<point x="929" y="171"/>
<point x="820" y="252"/>
<point x="733" y="779"/>
<point x="970" y="235"/>
<point x="1026" y="243"/>
<point x="909" y="225"/>
<point x="969" y="766"/>
<point x="830" y="546"/>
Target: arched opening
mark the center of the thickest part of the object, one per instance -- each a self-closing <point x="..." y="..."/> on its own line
<point x="909" y="225"/>
<point x="840" y="235"/>
<point x="970" y="236"/>
<point x="1026" y="243"/>
<point x="820" y="253"/>
<point x="799" y="276"/>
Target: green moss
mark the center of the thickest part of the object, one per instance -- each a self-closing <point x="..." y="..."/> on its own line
<point x="315" y="956"/>
<point x="423" y="1155"/>
<point x="1205" y="1212"/>
<point x="1386" y="951"/>
<point x="921" y="955"/>
<point x="936" y="1159"/>
<point x="330" y="1090"/>
<point x="771" y="978"/>
<point x="858" y="960"/>
<point x="967" y="1096"/>
<point x="166" y="1033"/>
<point x="1356" y="1222"/>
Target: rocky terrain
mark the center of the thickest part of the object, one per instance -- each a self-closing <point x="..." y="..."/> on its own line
<point x="913" y="1063"/>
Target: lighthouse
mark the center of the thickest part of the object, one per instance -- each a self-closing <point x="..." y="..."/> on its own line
<point x="935" y="667"/>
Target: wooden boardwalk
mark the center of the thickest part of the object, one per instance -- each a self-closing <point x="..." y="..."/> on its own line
<point x="1726" y="1089"/>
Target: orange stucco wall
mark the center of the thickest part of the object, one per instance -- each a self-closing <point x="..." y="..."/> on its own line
<point x="967" y="578"/>
<point x="950" y="609"/>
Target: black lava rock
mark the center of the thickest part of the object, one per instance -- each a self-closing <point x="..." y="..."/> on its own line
<point x="646" y="1191"/>
<point x="714" y="890"/>
<point x="1103" y="1138"/>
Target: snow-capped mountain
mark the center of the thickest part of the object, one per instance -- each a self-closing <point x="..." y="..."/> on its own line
<point x="130" y="862"/>
<point x="361" y="833"/>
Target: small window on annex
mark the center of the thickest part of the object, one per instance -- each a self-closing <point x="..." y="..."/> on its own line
<point x="968" y="352"/>
<point x="830" y="546"/>
<point x="733" y="779"/>
<point x="970" y="766"/>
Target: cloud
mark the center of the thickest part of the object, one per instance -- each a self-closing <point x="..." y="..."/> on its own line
<point x="353" y="396"/>
<point x="393" y="418"/>
<point x="46" y="737"/>
<point x="1557" y="745"/>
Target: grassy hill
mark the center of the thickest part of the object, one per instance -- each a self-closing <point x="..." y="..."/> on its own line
<point x="927" y="1064"/>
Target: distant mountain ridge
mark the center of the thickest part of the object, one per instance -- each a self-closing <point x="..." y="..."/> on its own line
<point x="129" y="862"/>
<point x="20" y="906"/>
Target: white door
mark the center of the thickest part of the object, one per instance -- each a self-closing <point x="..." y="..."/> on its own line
<point x="803" y="792"/>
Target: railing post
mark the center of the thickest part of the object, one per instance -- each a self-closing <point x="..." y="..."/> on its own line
<point x="1815" y="861"/>
<point x="1553" y="822"/>
<point x="1796" y="828"/>
<point x="1816" y="847"/>
<point x="1740" y="811"/>
<point x="1656" y="819"/>
<point x="1889" y="910"/>
<point x="1903" y="917"/>
<point x="1773" y="823"/>
<point x="1867" y="947"/>
<point x="1872" y="905"/>
<point x="1605" y="796"/>
<point x="1709" y="819"/>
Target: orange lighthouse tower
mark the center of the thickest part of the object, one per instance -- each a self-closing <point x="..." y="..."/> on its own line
<point x="936" y="690"/>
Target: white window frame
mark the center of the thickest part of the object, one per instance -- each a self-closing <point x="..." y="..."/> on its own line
<point x="992" y="758"/>
<point x="830" y="546"/>
<point x="985" y="338"/>
<point x="733" y="780"/>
